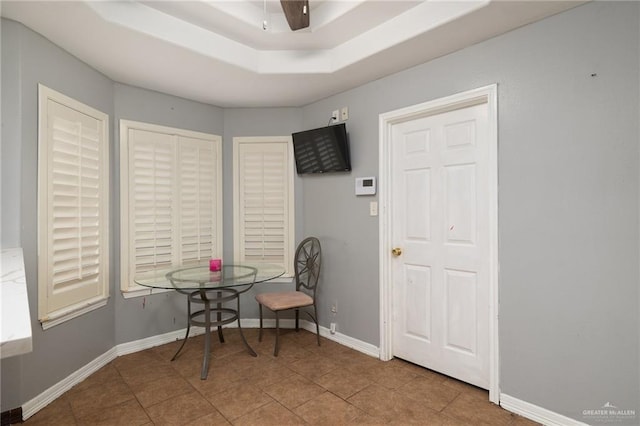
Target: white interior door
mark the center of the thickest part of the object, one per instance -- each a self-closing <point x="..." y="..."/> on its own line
<point x="440" y="220"/>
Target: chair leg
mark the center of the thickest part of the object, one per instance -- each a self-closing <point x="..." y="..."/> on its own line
<point x="277" y="348"/>
<point x="315" y="318"/>
<point x="297" y="319"/>
<point x="260" y="333"/>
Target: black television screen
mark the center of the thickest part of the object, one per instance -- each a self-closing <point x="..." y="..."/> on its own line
<point x="322" y="150"/>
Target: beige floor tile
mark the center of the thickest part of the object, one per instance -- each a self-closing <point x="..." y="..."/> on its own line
<point x="517" y="420"/>
<point x="106" y="374"/>
<point x="129" y="413"/>
<point x="159" y="390"/>
<point x="420" y="371"/>
<point x="238" y="400"/>
<point x="137" y="359"/>
<point x="57" y="413"/>
<point x="326" y="350"/>
<point x="471" y="390"/>
<point x="99" y="397"/>
<point x="379" y="401"/>
<point x="137" y="377"/>
<point x="431" y="419"/>
<point x="220" y="379"/>
<point x="432" y="394"/>
<point x="343" y="382"/>
<point x="294" y="391"/>
<point x="368" y="419"/>
<point x="305" y="339"/>
<point x="180" y="410"/>
<point x="313" y="367"/>
<point x="389" y="375"/>
<point x="213" y="419"/>
<point x="188" y="363"/>
<point x="327" y="409"/>
<point x="375" y="400"/>
<point x="242" y="360"/>
<point x="269" y="373"/>
<point x="271" y="414"/>
<point x="356" y="362"/>
<point x="406" y="411"/>
<point x="165" y="352"/>
<point x="473" y="410"/>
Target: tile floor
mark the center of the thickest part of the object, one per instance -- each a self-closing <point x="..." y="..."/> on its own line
<point x="306" y="384"/>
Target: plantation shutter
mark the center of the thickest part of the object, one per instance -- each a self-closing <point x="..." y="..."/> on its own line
<point x="198" y="200"/>
<point x="152" y="171"/>
<point x="173" y="189"/>
<point x="73" y="208"/>
<point x="263" y="214"/>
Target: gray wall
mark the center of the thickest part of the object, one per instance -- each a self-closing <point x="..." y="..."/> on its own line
<point x="30" y="59"/>
<point x="568" y="202"/>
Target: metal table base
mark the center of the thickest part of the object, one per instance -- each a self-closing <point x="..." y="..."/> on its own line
<point x="213" y="300"/>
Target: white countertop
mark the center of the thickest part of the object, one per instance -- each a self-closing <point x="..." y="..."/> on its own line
<point x="15" y="325"/>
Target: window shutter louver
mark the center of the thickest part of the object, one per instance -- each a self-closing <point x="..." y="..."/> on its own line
<point x="73" y="208"/>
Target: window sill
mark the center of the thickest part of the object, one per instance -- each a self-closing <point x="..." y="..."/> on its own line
<point x="63" y="315"/>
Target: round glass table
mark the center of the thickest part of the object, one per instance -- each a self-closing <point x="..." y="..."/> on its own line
<point x="212" y="290"/>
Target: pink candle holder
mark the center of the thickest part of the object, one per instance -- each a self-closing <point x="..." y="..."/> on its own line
<point x="215" y="265"/>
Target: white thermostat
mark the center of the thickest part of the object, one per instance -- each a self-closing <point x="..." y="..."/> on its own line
<point x="366" y="186"/>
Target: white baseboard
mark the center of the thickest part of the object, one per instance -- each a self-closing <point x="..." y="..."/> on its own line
<point x="535" y="413"/>
<point x="36" y="404"/>
<point x="153" y="341"/>
<point x="358" y="345"/>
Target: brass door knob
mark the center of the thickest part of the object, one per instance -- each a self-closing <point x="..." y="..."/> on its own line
<point x="397" y="251"/>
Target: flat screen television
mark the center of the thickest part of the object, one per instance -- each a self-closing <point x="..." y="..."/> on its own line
<point x="322" y="150"/>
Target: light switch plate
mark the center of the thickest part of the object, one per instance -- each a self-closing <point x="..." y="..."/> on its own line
<point x="373" y="208"/>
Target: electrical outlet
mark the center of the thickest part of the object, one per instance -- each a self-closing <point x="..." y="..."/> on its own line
<point x="332" y="328"/>
<point x="335" y="115"/>
<point x="344" y="113"/>
<point x="334" y="307"/>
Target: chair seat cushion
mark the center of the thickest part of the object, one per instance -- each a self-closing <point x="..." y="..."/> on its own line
<point x="284" y="300"/>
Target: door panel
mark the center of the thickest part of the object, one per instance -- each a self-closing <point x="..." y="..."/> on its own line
<point x="461" y="316"/>
<point x="440" y="219"/>
<point x="418" y="322"/>
<point x="460" y="203"/>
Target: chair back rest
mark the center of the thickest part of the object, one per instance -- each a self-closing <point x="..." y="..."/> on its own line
<point x="308" y="259"/>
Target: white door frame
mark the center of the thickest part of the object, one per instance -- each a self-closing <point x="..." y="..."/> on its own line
<point x="488" y="95"/>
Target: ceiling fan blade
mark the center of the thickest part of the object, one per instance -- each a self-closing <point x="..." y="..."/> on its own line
<point x="296" y="12"/>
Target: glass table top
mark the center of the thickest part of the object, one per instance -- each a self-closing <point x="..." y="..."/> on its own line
<point x="197" y="276"/>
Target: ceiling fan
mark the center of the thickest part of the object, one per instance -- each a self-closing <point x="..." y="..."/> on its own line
<point x="296" y="12"/>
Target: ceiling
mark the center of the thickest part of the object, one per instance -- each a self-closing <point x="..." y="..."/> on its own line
<point x="217" y="52"/>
